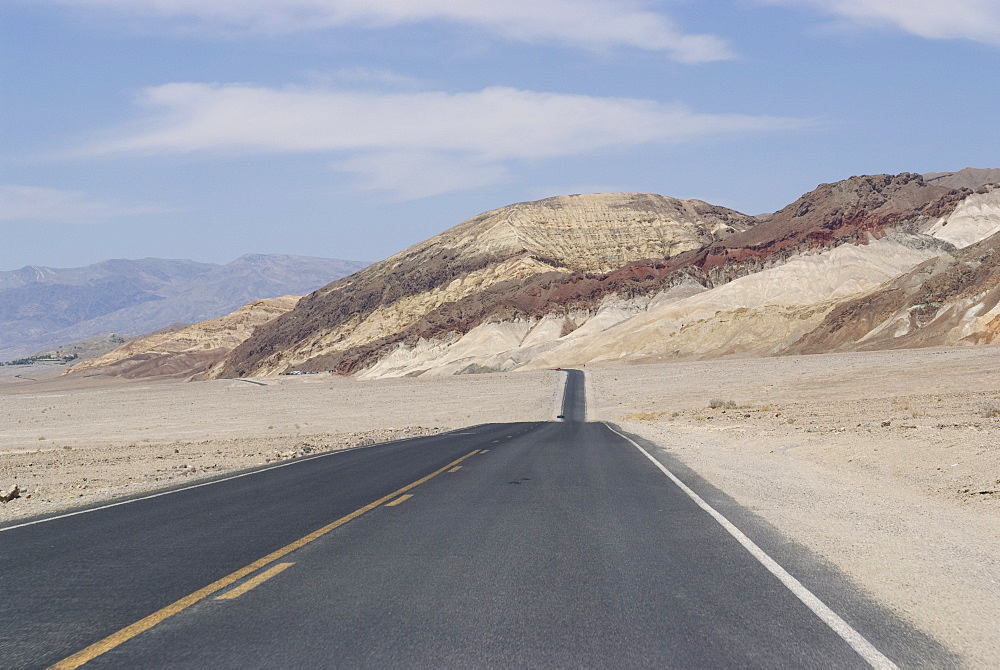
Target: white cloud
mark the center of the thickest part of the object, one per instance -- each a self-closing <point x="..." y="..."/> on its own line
<point x="587" y="23"/>
<point x="389" y="137"/>
<point x="977" y="20"/>
<point x="31" y="203"/>
<point x="371" y="77"/>
<point x="420" y="174"/>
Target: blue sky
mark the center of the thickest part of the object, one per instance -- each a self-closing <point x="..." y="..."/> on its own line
<point x="354" y="128"/>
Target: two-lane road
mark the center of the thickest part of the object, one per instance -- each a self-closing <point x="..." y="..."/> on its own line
<point x="558" y="544"/>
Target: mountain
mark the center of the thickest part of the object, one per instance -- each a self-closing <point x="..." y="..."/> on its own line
<point x="46" y="307"/>
<point x="86" y="349"/>
<point x="591" y="279"/>
<point x="479" y="259"/>
<point x="970" y="178"/>
<point x="950" y="299"/>
<point x="147" y="271"/>
<point x="187" y="351"/>
<point x="449" y="324"/>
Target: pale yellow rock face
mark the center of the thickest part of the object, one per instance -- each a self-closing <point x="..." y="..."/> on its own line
<point x="599" y="233"/>
<point x="590" y="233"/>
<point x="215" y="335"/>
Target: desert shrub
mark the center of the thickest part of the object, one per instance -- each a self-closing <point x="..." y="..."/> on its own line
<point x="716" y="403"/>
<point x="645" y="416"/>
<point x="989" y="409"/>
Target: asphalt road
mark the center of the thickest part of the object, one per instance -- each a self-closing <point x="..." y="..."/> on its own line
<point x="543" y="545"/>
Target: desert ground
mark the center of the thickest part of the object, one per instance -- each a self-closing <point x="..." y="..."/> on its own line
<point x="886" y="465"/>
<point x="65" y="445"/>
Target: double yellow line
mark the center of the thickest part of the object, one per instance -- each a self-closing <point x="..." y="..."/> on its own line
<point x="127" y="633"/>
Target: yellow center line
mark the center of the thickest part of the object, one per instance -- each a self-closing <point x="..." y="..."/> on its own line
<point x="456" y="468"/>
<point x="399" y="500"/>
<point x="256" y="581"/>
<point x="127" y="633"/>
<point x="483" y="451"/>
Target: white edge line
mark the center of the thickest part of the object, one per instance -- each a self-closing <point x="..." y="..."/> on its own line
<point x="225" y="479"/>
<point x="865" y="649"/>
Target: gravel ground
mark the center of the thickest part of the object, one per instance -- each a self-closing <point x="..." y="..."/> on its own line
<point x="886" y="464"/>
<point x="65" y="446"/>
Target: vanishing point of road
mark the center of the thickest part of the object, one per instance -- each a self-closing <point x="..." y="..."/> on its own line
<point x="562" y="544"/>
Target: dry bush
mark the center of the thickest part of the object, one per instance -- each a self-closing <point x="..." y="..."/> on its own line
<point x="988" y="409"/>
<point x="645" y="416"/>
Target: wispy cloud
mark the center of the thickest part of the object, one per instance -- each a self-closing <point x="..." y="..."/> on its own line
<point x="392" y="138"/>
<point x="408" y="175"/>
<point x="31" y="203"/>
<point x="977" y="20"/>
<point x="583" y="23"/>
<point x="366" y="77"/>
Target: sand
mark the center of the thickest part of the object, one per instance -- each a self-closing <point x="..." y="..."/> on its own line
<point x="67" y="446"/>
<point x="884" y="464"/>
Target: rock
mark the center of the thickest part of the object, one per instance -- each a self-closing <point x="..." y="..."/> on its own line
<point x="7" y="496"/>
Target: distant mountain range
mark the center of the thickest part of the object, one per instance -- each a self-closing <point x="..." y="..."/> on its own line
<point x="870" y="262"/>
<point x="43" y="308"/>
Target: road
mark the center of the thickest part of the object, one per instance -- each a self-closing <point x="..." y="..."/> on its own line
<point x="546" y="545"/>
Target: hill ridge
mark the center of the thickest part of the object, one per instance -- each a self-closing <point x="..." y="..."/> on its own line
<point x="599" y="278"/>
<point x="42" y="308"/>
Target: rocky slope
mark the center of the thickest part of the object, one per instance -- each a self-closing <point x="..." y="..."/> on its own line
<point x="42" y="308"/>
<point x="579" y="280"/>
<point x="189" y="351"/>
<point x="949" y="299"/>
<point x="970" y="178"/>
<point x="516" y="321"/>
<point x="484" y="258"/>
<point x="751" y="293"/>
<point x="93" y="347"/>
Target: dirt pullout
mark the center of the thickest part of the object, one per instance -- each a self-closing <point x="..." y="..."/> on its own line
<point x="885" y="464"/>
<point x="67" y="447"/>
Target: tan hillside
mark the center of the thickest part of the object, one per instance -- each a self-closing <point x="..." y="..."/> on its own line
<point x="562" y="235"/>
<point x="733" y="296"/>
<point x="597" y="279"/>
<point x="759" y="314"/>
<point x="950" y="299"/>
<point x="189" y="351"/>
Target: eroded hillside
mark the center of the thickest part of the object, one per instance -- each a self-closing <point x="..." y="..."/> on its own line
<point x="592" y="279"/>
<point x="189" y="351"/>
<point x="663" y="307"/>
<point x="950" y="299"/>
<point x="485" y="257"/>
